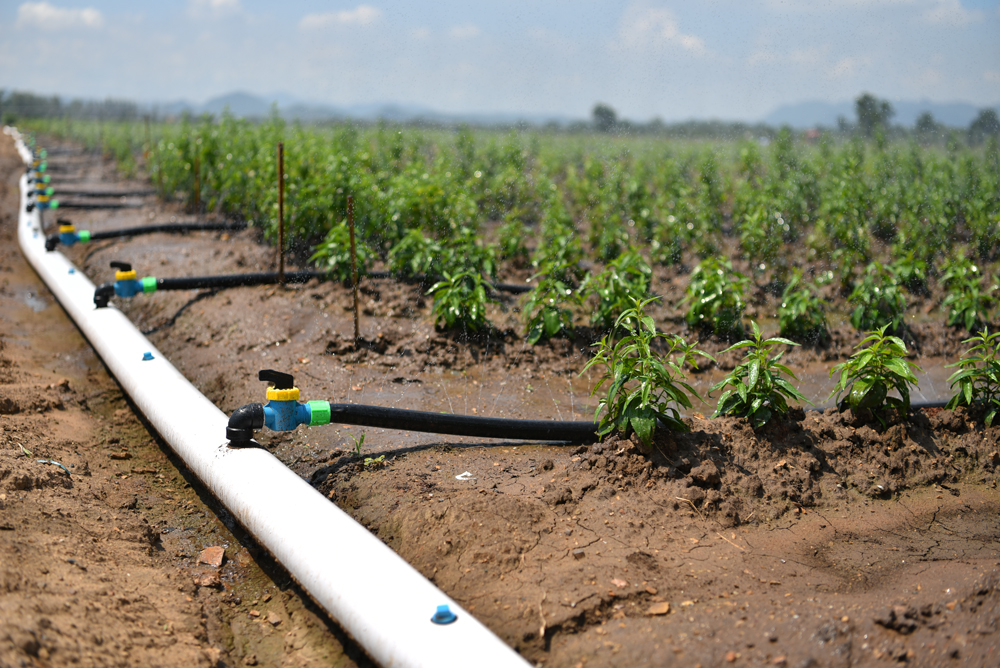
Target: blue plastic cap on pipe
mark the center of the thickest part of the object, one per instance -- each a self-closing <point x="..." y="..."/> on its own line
<point x="444" y="615"/>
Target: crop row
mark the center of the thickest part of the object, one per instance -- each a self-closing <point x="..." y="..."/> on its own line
<point x="883" y="220"/>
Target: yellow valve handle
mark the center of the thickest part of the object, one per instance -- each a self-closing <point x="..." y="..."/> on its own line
<point x="125" y="275"/>
<point x="282" y="395"/>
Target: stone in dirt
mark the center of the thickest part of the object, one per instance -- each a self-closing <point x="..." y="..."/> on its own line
<point x="207" y="579"/>
<point x="212" y="556"/>
<point x="658" y="609"/>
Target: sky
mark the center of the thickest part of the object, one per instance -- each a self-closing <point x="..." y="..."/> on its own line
<point x="724" y="59"/>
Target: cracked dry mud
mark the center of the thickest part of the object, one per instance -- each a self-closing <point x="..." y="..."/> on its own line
<point x="818" y="541"/>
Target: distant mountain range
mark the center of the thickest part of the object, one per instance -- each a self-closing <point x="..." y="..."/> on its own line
<point x="812" y="114"/>
<point x="254" y="106"/>
<point x="800" y="115"/>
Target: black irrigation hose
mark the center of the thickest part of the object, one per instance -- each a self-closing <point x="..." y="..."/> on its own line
<point x="104" y="292"/>
<point x="236" y="280"/>
<point x="106" y="193"/>
<point x="463" y="425"/>
<point x="424" y="279"/>
<point x="98" y="205"/>
<point x="53" y="239"/>
<point x="512" y="288"/>
<point x="914" y="405"/>
<point x="169" y="227"/>
<point x="246" y="419"/>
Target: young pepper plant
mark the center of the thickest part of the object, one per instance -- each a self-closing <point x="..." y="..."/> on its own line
<point x="978" y="376"/>
<point x="548" y="310"/>
<point x="460" y="301"/>
<point x="642" y="382"/>
<point x="756" y="389"/>
<point x="870" y="373"/>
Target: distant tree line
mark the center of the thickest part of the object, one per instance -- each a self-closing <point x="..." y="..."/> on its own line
<point x="18" y="104"/>
<point x="874" y="118"/>
<point x="873" y="121"/>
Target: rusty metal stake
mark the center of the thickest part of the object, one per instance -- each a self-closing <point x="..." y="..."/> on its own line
<point x="354" y="266"/>
<point x="281" y="213"/>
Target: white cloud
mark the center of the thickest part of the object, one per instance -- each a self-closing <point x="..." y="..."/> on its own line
<point x="214" y="8"/>
<point x="993" y="76"/>
<point x="49" y="17"/>
<point x="950" y="13"/>
<point x="467" y="31"/>
<point x="362" y="15"/>
<point x="644" y="27"/>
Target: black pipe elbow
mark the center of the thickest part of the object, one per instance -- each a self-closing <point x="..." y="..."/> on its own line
<point x="103" y="294"/>
<point x="51" y="242"/>
<point x="242" y="424"/>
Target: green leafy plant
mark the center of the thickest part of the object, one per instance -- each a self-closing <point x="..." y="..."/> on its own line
<point x="978" y="376"/>
<point x="868" y="376"/>
<point x="460" y="301"/>
<point x="911" y="272"/>
<point x="958" y="269"/>
<point x="801" y="314"/>
<point x="716" y="297"/>
<point x="625" y="279"/>
<point x="512" y="248"/>
<point x="966" y="302"/>
<point x="373" y="462"/>
<point x="878" y="300"/>
<point x="756" y="388"/>
<point x="642" y="382"/>
<point x="358" y="442"/>
<point x="760" y="237"/>
<point x="333" y="254"/>
<point x="418" y="255"/>
<point x="414" y="254"/>
<point x="548" y="310"/>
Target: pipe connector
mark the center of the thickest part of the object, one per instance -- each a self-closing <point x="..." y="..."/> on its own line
<point x="242" y="424"/>
<point x="283" y="412"/>
<point x="67" y="236"/>
<point x="103" y="294"/>
<point x="126" y="283"/>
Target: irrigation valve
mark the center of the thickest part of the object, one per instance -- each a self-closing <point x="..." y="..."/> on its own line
<point x="283" y="412"/>
<point x="67" y="236"/>
<point x="126" y="283"/>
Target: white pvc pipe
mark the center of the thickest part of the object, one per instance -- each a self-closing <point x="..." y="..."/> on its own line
<point x="379" y="599"/>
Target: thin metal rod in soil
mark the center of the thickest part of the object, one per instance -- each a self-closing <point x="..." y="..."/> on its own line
<point x="354" y="265"/>
<point x="281" y="213"/>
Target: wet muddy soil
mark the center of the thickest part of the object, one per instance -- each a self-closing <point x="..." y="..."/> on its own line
<point x="822" y="540"/>
<point x="102" y="530"/>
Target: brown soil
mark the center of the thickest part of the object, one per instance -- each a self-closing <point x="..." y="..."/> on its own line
<point x="821" y="540"/>
<point x="99" y="565"/>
